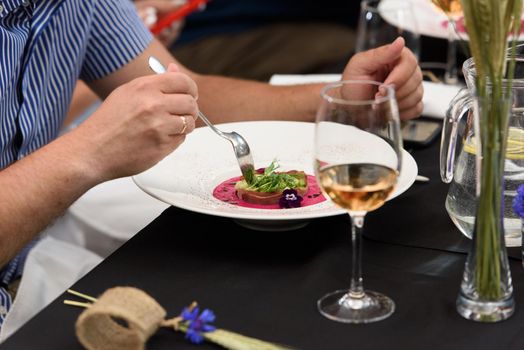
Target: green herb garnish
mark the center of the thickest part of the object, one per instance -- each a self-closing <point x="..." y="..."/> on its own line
<point x="249" y="175"/>
<point x="271" y="181"/>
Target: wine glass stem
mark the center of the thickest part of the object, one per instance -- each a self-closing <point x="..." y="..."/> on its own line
<point x="356" y="289"/>
<point x="451" y="76"/>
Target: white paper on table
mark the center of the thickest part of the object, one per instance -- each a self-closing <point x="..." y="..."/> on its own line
<point x="436" y="96"/>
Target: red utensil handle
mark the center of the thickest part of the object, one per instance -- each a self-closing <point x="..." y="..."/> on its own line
<point x="181" y="12"/>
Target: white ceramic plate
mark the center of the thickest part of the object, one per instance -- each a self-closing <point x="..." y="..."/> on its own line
<point x="430" y="20"/>
<point x="186" y="178"/>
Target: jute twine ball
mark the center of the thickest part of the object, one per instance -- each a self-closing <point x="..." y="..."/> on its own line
<point x="121" y="318"/>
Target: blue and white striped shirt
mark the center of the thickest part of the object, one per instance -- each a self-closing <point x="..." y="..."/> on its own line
<point x="45" y="46"/>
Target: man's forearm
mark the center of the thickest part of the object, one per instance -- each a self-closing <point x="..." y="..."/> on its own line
<point x="225" y="99"/>
<point x="38" y="189"/>
<point x="228" y="99"/>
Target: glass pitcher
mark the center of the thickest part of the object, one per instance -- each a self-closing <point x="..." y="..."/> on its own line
<point x="458" y="149"/>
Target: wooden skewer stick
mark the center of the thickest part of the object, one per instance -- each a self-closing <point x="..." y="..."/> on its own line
<point x="81" y="295"/>
<point x="77" y="303"/>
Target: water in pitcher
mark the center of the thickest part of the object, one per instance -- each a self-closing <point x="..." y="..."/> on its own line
<point x="461" y="199"/>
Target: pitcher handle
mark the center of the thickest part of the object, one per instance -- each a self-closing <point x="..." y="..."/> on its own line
<point x="458" y="107"/>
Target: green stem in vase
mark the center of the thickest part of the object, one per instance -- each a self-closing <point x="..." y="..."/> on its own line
<point x="488" y="24"/>
<point x="494" y="118"/>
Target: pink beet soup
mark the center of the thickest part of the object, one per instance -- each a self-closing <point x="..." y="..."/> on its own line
<point x="226" y="193"/>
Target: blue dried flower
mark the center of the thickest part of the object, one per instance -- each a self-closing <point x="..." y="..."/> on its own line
<point x="290" y="199"/>
<point x="198" y="323"/>
<point x="518" y="202"/>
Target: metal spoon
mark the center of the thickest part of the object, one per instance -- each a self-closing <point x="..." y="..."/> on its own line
<point x="240" y="146"/>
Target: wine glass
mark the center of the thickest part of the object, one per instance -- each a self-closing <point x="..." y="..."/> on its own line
<point x="381" y="22"/>
<point x="453" y="10"/>
<point x="357" y="162"/>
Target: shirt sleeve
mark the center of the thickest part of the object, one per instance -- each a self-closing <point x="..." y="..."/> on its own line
<point x="117" y="36"/>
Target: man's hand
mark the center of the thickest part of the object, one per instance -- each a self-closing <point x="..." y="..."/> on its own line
<point x="392" y="64"/>
<point x="140" y="123"/>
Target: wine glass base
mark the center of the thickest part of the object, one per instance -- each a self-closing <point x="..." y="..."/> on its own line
<point x="339" y="306"/>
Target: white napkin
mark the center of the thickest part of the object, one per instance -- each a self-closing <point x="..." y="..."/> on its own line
<point x="436" y="96"/>
<point x="112" y="212"/>
<point x="52" y="266"/>
<point x="291" y="79"/>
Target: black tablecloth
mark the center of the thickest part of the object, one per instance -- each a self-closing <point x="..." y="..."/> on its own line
<point x="266" y="284"/>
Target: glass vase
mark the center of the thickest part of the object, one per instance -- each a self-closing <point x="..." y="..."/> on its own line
<point x="486" y="291"/>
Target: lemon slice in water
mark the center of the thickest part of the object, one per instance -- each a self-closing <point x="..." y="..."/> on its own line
<point x="515" y="149"/>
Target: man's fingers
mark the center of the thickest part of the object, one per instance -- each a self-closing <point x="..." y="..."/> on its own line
<point x="375" y="59"/>
<point x="408" y="87"/>
<point x="388" y="53"/>
<point x="413" y="112"/>
<point x="411" y="99"/>
<point x="173" y="67"/>
<point x="406" y="67"/>
<point x="179" y="125"/>
<point x="171" y="82"/>
<point x="179" y="104"/>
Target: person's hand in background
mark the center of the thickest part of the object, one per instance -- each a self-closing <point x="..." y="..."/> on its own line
<point x="392" y="64"/>
<point x="151" y="10"/>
